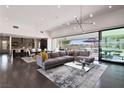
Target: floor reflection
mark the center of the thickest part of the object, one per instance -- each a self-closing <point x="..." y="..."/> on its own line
<point x="4" y="62"/>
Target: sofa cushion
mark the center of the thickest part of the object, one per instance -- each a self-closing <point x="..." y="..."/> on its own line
<point x="54" y="62"/>
<point x="44" y="56"/>
<point x="69" y="58"/>
<point x="50" y="63"/>
<point x="61" y="59"/>
<point x="76" y="53"/>
<point x="49" y="55"/>
<point x="90" y="60"/>
<point x="84" y="53"/>
<point x="70" y="53"/>
<point x="87" y="59"/>
<point x="62" y="53"/>
<point x="56" y="54"/>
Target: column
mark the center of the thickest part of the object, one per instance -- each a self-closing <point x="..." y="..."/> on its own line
<point x="35" y="43"/>
<point x="49" y="44"/>
<point x="10" y="45"/>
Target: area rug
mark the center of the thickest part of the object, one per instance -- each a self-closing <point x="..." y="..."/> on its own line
<point x="28" y="59"/>
<point x="70" y="77"/>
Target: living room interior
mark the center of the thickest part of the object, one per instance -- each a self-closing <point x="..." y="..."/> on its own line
<point x="61" y="46"/>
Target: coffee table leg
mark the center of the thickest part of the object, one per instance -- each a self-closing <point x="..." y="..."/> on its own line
<point x="83" y="65"/>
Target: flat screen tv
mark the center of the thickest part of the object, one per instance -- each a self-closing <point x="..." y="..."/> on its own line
<point x="112" y="45"/>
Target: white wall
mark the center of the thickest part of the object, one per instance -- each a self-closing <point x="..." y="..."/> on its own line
<point x="24" y="30"/>
<point x="49" y="44"/>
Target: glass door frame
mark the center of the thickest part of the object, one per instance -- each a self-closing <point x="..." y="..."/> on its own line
<point x="100" y="38"/>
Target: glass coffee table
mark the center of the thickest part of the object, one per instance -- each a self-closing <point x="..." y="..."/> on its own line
<point x="84" y="64"/>
<point x="80" y="64"/>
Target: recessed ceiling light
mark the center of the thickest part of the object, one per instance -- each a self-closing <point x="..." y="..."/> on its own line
<point x="75" y="16"/>
<point x="110" y="6"/>
<point x="58" y="6"/>
<point x="7" y="6"/>
<point x="94" y="23"/>
<point x="91" y="15"/>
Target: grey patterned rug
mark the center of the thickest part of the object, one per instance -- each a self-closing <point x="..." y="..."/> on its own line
<point x="70" y="77"/>
<point x="28" y="59"/>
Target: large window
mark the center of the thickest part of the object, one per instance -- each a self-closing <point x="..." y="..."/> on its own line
<point x="4" y="44"/>
<point x="112" y="45"/>
<point x="87" y="42"/>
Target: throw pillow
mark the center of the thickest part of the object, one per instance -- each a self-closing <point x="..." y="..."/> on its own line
<point x="44" y="56"/>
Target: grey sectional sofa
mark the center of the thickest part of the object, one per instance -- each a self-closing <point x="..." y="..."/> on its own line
<point x="56" y="59"/>
<point x="60" y="58"/>
<point x="81" y="55"/>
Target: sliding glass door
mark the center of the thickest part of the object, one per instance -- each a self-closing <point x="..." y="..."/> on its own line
<point x="82" y="42"/>
<point x="108" y="45"/>
<point x="112" y="45"/>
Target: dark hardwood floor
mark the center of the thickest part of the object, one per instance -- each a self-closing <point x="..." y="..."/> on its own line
<point x="19" y="74"/>
<point x="113" y="77"/>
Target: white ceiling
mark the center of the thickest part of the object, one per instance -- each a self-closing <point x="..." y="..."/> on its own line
<point x="49" y="17"/>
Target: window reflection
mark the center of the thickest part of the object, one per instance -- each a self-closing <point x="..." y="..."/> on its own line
<point x="4" y="62"/>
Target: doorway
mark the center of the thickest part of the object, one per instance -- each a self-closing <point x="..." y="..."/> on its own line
<point x="4" y="44"/>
